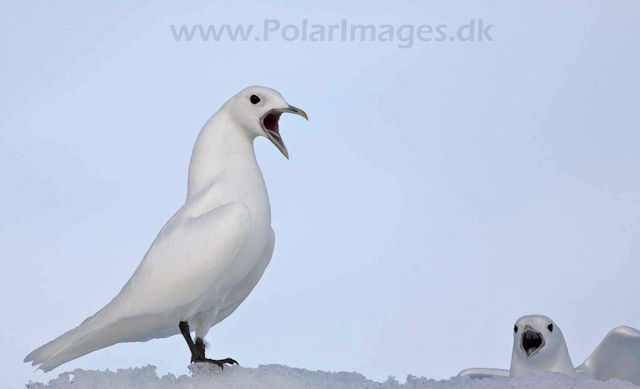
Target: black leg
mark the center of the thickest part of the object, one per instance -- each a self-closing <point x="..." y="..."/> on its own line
<point x="197" y="348"/>
<point x="200" y="347"/>
<point x="184" y="329"/>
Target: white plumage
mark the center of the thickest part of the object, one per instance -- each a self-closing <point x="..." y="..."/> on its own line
<point x="539" y="345"/>
<point x="210" y="255"/>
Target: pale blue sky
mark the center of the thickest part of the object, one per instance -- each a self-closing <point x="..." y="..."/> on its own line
<point x="437" y="193"/>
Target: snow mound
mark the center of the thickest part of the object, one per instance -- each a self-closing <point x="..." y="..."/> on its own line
<point x="283" y="377"/>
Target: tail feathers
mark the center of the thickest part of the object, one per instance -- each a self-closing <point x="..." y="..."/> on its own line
<point x="51" y="351"/>
<point x="70" y="346"/>
<point x="94" y="334"/>
<point x="45" y="352"/>
<point x="70" y="352"/>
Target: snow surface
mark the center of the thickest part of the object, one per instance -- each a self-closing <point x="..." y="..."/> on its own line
<point x="283" y="377"/>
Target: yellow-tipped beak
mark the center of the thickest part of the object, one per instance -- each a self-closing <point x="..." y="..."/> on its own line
<point x="297" y="111"/>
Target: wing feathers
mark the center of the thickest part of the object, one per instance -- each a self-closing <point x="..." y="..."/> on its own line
<point x="172" y="280"/>
<point x="617" y="356"/>
<point x="484" y="373"/>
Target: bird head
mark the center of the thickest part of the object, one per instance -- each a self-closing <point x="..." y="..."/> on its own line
<point x="257" y="110"/>
<point x="536" y="335"/>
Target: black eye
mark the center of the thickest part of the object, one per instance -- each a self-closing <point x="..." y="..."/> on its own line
<point x="550" y="327"/>
<point x="515" y="328"/>
<point x="254" y="99"/>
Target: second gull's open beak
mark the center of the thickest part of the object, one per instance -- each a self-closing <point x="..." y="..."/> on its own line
<point x="531" y="342"/>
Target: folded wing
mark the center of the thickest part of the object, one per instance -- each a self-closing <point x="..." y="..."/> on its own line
<point x="484" y="373"/>
<point x="178" y="275"/>
<point x="617" y="356"/>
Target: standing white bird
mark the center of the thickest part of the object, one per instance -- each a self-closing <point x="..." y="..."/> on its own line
<point x="209" y="256"/>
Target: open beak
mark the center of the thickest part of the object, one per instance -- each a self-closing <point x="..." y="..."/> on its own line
<point x="270" y="126"/>
<point x="531" y="342"/>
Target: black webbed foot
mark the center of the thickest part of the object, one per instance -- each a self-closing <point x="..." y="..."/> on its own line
<point x="219" y="362"/>
<point x="197" y="349"/>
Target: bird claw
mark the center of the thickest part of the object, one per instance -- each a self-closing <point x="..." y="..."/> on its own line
<point x="220" y="363"/>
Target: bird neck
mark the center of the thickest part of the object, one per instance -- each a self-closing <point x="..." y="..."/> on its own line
<point x="221" y="148"/>
<point x="564" y="361"/>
